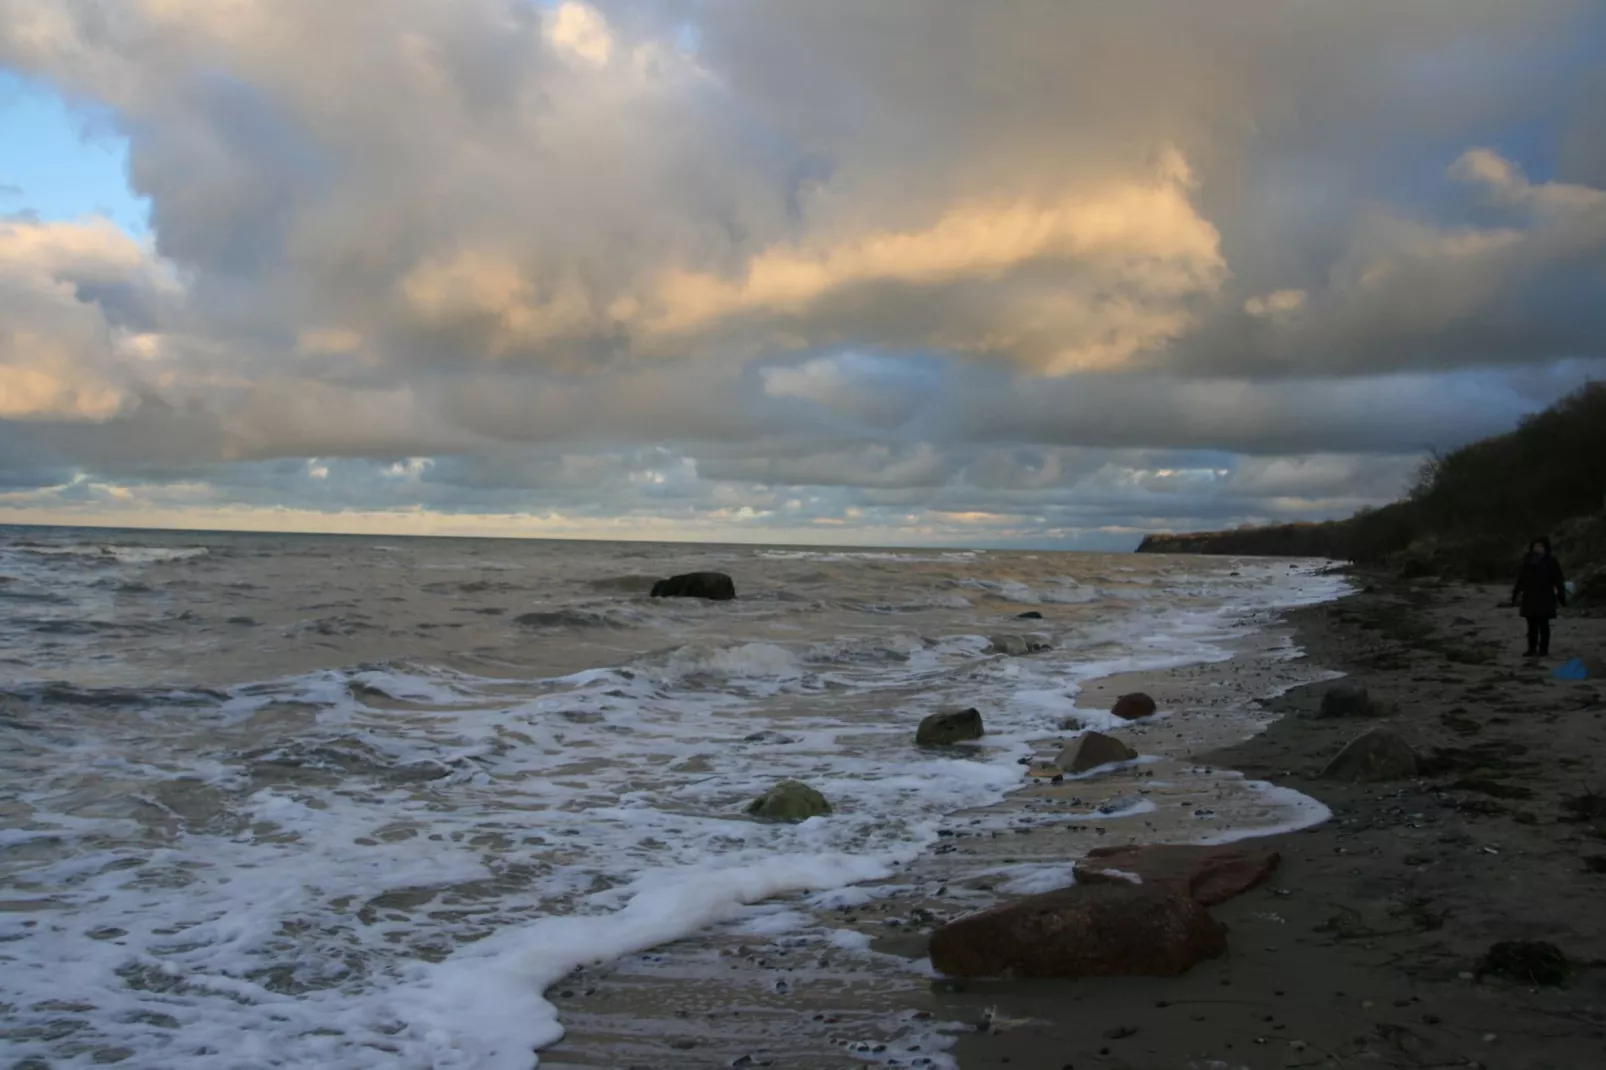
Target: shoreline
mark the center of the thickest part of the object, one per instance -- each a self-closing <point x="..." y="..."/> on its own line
<point x="1365" y="946"/>
<point x="880" y="1009"/>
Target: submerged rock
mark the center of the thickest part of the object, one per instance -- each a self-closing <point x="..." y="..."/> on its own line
<point x="1134" y="707"/>
<point x="954" y="726"/>
<point x="1208" y="875"/>
<point x="1030" y="614"/>
<point x="1082" y="931"/>
<point x="1015" y="645"/>
<point x="1373" y="756"/>
<point x="790" y="800"/>
<point x="1092" y="750"/>
<point x="712" y="585"/>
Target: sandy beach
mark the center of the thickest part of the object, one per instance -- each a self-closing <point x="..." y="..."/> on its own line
<point x="1366" y="947"/>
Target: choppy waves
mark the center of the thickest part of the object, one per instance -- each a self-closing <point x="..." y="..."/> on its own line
<point x="385" y="863"/>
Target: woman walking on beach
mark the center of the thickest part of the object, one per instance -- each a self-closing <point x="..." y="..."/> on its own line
<point x="1539" y="590"/>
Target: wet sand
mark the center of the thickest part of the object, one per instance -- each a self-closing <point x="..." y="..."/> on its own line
<point x="1364" y="948"/>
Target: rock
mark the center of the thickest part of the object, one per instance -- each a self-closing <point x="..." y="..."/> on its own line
<point x="1373" y="756"/>
<point x="1133" y="707"/>
<point x="1015" y="645"/>
<point x="1345" y="700"/>
<point x="790" y="800"/>
<point x="1209" y="875"/>
<point x="1092" y="750"/>
<point x="1415" y="568"/>
<point x="941" y="729"/>
<point x="713" y="585"/>
<point x="1030" y="614"/>
<point x="1082" y="931"/>
<point x="1526" y="962"/>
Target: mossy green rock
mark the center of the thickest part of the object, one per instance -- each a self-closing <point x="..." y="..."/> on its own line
<point x="790" y="800"/>
<point x="941" y="729"/>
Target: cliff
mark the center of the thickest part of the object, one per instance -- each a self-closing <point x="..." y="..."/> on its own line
<point x="1278" y="540"/>
<point x="1470" y="512"/>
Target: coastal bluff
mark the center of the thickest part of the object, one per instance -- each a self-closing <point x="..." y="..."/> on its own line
<point x="1277" y="540"/>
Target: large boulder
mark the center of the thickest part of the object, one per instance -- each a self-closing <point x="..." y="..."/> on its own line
<point x="1134" y="707"/>
<point x="1373" y="756"/>
<point x="1082" y="931"/>
<point x="1092" y="750"/>
<point x="790" y="800"/>
<point x="713" y="585"/>
<point x="1345" y="700"/>
<point x="1208" y="875"/>
<point x="953" y="726"/>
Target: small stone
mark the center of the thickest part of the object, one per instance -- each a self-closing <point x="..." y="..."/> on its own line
<point x="1528" y="962"/>
<point x="1345" y="700"/>
<point x="1091" y="751"/>
<point x="1372" y="756"/>
<point x="949" y="727"/>
<point x="1134" y="706"/>
<point x="790" y="800"/>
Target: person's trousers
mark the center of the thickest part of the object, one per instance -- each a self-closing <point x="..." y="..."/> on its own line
<point x="1538" y="635"/>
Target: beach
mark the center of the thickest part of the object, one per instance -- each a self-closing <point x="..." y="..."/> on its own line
<point x="300" y="801"/>
<point x="1364" y="948"/>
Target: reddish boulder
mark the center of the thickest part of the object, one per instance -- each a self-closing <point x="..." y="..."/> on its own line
<point x="1208" y="875"/>
<point x="1092" y="750"/>
<point x="1082" y="931"/>
<point x="1132" y="707"/>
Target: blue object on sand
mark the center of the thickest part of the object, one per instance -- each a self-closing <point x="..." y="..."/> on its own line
<point x="1573" y="670"/>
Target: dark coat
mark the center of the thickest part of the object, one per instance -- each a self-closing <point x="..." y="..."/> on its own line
<point x="1540" y="586"/>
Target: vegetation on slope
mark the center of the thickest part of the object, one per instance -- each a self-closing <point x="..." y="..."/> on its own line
<point x="1470" y="511"/>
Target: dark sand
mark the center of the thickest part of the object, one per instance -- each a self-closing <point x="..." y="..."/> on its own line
<point x="1363" y="949"/>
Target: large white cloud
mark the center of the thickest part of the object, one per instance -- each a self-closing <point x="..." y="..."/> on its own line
<point x="880" y="248"/>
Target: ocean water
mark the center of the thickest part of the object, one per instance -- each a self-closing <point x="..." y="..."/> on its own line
<point x="272" y="800"/>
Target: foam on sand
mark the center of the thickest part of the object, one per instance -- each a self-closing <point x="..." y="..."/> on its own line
<point x="482" y="1007"/>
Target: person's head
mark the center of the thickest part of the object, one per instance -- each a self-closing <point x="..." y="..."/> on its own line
<point x="1540" y="545"/>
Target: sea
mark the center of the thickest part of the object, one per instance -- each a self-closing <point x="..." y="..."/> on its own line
<point x="276" y="800"/>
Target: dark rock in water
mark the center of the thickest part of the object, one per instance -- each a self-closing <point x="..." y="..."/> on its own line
<point x="1373" y="756"/>
<point x="1346" y="700"/>
<point x="1015" y="645"/>
<point x="1209" y="875"/>
<point x="1091" y="751"/>
<point x="790" y="800"/>
<point x="941" y="729"/>
<point x="1082" y="931"/>
<point x="768" y="735"/>
<point x="712" y="585"/>
<point x="1526" y="962"/>
<point x="1030" y="614"/>
<point x="1134" y="707"/>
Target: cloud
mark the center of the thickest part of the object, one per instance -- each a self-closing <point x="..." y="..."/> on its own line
<point x="907" y="256"/>
<point x="79" y="305"/>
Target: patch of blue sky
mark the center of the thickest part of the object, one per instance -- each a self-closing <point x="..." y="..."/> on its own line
<point x="61" y="162"/>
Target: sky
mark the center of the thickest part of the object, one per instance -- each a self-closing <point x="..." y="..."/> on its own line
<point x="1034" y="273"/>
